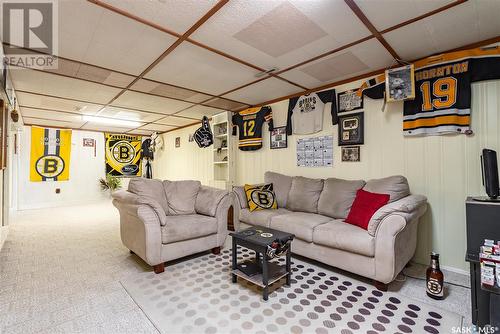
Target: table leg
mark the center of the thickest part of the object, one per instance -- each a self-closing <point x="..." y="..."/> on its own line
<point x="288" y="265"/>
<point x="257" y="258"/>
<point x="265" y="273"/>
<point x="235" y="259"/>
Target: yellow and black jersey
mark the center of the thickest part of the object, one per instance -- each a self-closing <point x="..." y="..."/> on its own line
<point x="443" y="90"/>
<point x="250" y="122"/>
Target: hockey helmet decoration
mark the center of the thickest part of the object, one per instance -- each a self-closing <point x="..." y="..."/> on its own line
<point x="203" y="136"/>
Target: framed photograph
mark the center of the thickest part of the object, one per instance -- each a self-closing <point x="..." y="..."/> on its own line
<point x="351" y="129"/>
<point x="177" y="141"/>
<point x="400" y="83"/>
<point x="279" y="138"/>
<point x="349" y="101"/>
<point x="351" y="153"/>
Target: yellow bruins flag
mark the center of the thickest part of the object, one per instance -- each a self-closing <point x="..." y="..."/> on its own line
<point x="123" y="155"/>
<point x="50" y="154"/>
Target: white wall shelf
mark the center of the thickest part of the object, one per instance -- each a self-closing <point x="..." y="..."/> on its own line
<point x="223" y="152"/>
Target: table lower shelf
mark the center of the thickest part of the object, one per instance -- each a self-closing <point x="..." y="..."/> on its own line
<point x="275" y="273"/>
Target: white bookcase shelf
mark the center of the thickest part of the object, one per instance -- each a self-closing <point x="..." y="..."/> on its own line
<point x="223" y="152"/>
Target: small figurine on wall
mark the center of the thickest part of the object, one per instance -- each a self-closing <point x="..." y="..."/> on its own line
<point x="177" y="141"/>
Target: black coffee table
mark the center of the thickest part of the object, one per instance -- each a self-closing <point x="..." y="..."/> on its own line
<point x="258" y="239"/>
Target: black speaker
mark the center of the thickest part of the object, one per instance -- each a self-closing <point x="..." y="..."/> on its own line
<point x="489" y="168"/>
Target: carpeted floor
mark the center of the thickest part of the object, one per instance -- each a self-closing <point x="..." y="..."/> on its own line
<point x="60" y="272"/>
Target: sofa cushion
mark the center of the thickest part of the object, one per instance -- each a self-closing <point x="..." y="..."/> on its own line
<point x="364" y="207"/>
<point x="337" y="197"/>
<point x="181" y="196"/>
<point x="281" y="185"/>
<point x="149" y="188"/>
<point x="260" y="197"/>
<point x="299" y="223"/>
<point x="340" y="235"/>
<point x="396" y="186"/>
<point x="304" y="194"/>
<point x="179" y="228"/>
<point x="260" y="218"/>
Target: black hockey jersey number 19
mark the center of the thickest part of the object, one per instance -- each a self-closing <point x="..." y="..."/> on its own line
<point x="249" y="123"/>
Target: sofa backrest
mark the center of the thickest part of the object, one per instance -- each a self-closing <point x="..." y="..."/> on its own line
<point x="304" y="194"/>
<point x="181" y="196"/>
<point x="281" y="186"/>
<point x="149" y="188"/>
<point x="337" y="197"/>
<point x="395" y="186"/>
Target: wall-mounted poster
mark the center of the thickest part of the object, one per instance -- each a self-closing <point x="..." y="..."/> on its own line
<point x="400" y="83"/>
<point x="351" y="153"/>
<point x="50" y="154"/>
<point x="279" y="138"/>
<point x="349" y="101"/>
<point x="315" y="152"/>
<point x="351" y="129"/>
<point x="123" y="155"/>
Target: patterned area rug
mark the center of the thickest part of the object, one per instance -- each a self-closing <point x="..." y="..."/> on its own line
<point x="197" y="296"/>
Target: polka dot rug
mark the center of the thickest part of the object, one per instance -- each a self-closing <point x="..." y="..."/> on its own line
<point x="197" y="296"/>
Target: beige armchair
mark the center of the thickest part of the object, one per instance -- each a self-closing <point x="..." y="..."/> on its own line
<point x="162" y="221"/>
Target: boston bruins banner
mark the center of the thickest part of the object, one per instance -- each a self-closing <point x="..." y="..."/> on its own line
<point x="50" y="154"/>
<point x="123" y="155"/>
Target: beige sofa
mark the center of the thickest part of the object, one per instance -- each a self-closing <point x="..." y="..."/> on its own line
<point x="315" y="209"/>
<point x="162" y="221"/>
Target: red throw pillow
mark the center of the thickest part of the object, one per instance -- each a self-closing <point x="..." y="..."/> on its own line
<point x="364" y="207"/>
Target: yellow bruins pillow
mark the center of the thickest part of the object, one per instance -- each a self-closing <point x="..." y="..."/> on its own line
<point x="260" y="197"/>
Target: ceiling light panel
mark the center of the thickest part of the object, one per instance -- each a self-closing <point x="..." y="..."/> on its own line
<point x="110" y="121"/>
<point x="272" y="33"/>
<point x="197" y="112"/>
<point x="152" y="87"/>
<point x="152" y="103"/>
<point x="51" y="84"/>
<point x="104" y="128"/>
<point x="128" y="114"/>
<point x="176" y="121"/>
<point x="400" y="11"/>
<point x="464" y="24"/>
<point x="52" y="123"/>
<point x="57" y="104"/>
<point x="174" y="15"/>
<point x="202" y="70"/>
<point x="98" y="36"/>
<point x="361" y="58"/>
<point x="262" y="91"/>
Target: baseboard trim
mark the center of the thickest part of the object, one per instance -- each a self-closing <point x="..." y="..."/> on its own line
<point x="4" y="231"/>
<point x="456" y="270"/>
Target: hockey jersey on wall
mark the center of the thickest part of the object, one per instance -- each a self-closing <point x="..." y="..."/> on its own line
<point x="250" y="122"/>
<point x="443" y="90"/>
<point x="305" y="113"/>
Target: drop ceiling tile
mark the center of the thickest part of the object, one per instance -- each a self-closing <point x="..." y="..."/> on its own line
<point x="174" y="15"/>
<point x="157" y="127"/>
<point x="50" y="84"/>
<point x="51" y="123"/>
<point x="97" y="36"/>
<point x="194" y="67"/>
<point x="263" y="91"/>
<point x="148" y="86"/>
<point x="176" y="121"/>
<point x="51" y="115"/>
<point x="57" y="104"/>
<point x="152" y="103"/>
<point x="197" y="112"/>
<point x="277" y="33"/>
<point x="129" y="115"/>
<point x="400" y="11"/>
<point x="464" y="24"/>
<point x="104" y="128"/>
<point x="225" y="104"/>
<point x="146" y="133"/>
<point x="356" y="60"/>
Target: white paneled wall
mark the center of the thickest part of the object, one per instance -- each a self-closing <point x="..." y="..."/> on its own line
<point x="444" y="168"/>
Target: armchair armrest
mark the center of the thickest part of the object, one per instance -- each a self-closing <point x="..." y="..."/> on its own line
<point x="131" y="203"/>
<point x="409" y="208"/>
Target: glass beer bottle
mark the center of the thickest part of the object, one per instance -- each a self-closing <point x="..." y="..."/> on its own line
<point x="435" y="278"/>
